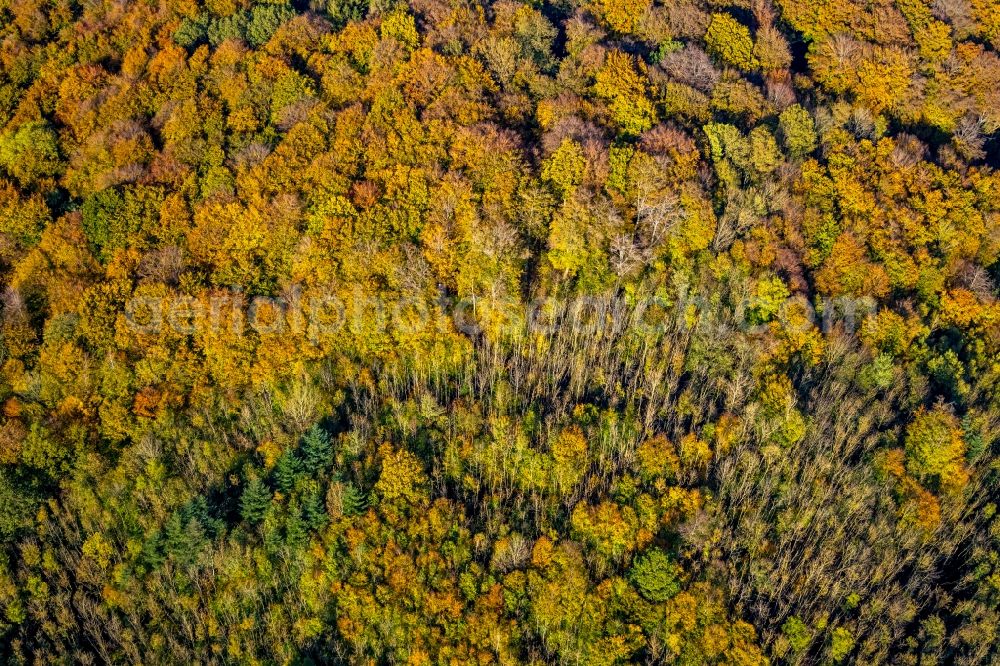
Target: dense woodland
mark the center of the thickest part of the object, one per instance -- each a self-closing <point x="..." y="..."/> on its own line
<point x="724" y="389"/>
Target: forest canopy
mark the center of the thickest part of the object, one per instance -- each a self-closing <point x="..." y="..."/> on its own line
<point x="500" y="332"/>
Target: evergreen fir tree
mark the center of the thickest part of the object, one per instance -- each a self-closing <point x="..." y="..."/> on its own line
<point x="314" y="509"/>
<point x="286" y="472"/>
<point x="152" y="551"/>
<point x="295" y="526"/>
<point x="353" y="501"/>
<point x="317" y="452"/>
<point x="255" y="501"/>
<point x="184" y="540"/>
<point x="197" y="509"/>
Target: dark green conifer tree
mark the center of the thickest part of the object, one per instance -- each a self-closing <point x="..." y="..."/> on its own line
<point x="255" y="501"/>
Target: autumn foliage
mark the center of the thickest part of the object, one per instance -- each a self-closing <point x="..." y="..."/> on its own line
<point x="475" y="332"/>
